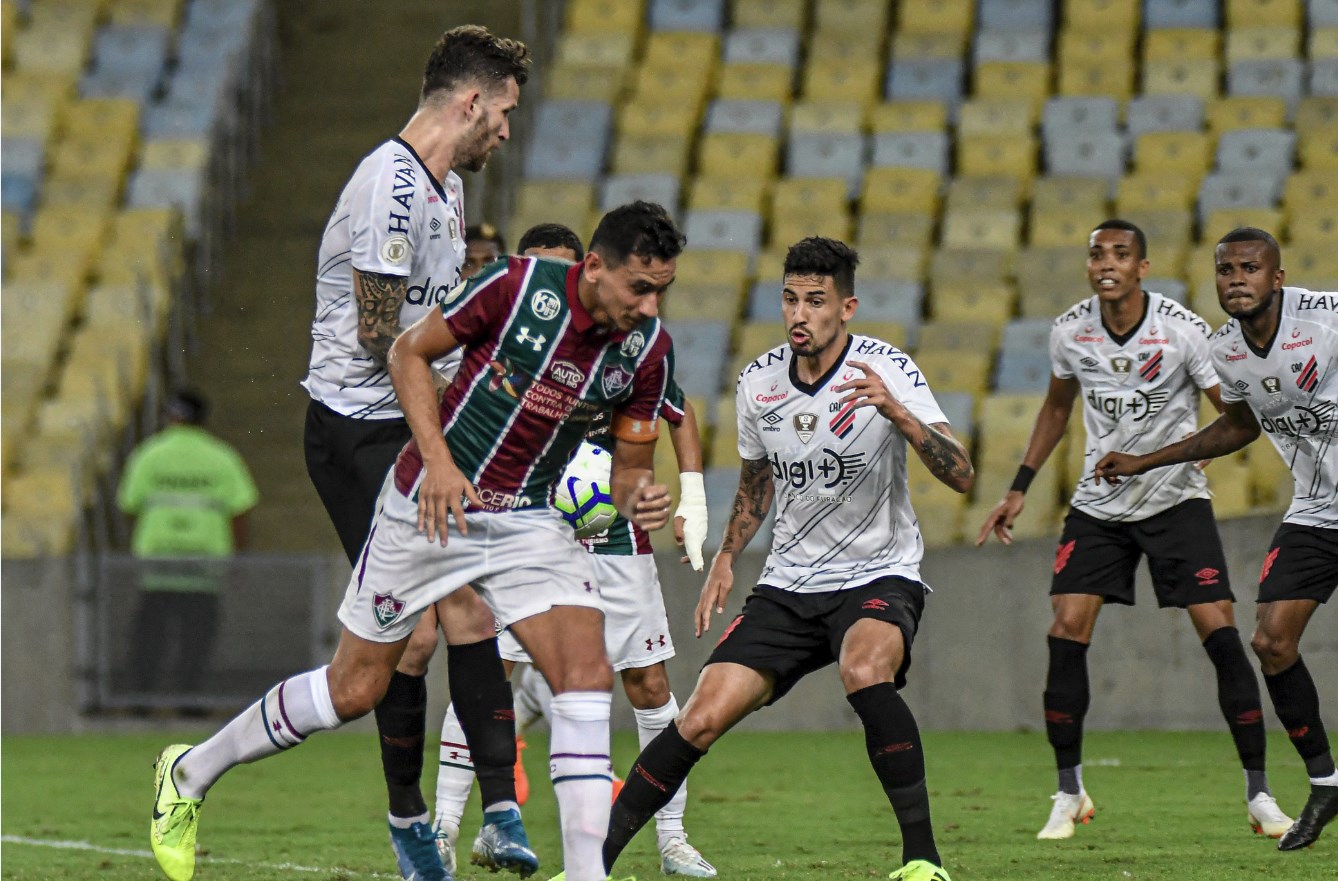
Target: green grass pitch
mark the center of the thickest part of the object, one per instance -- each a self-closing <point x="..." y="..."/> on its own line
<point x="762" y="806"/>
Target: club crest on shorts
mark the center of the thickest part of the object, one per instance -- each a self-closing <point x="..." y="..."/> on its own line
<point x="614" y="380"/>
<point x="386" y="609"/>
<point x="804" y="425"/>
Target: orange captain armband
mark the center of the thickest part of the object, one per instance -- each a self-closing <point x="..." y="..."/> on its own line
<point x="635" y="431"/>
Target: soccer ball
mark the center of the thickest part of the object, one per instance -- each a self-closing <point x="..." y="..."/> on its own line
<point x="583" y="495"/>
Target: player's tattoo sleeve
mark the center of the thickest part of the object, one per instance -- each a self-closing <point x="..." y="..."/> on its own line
<point x="751" y="504"/>
<point x="380" y="298"/>
<point x="945" y="458"/>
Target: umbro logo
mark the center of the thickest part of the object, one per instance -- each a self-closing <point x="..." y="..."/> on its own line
<point x="435" y="224"/>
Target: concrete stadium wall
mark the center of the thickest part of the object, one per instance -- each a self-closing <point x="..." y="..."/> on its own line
<point x="979" y="660"/>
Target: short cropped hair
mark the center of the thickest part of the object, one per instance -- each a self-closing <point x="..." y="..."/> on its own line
<point x="817" y="255"/>
<point x="641" y="228"/>
<point x="551" y="235"/>
<point x="1251" y="234"/>
<point x="1124" y="225"/>
<point x="472" y="54"/>
<point x="485" y="232"/>
<point x="188" y="406"/>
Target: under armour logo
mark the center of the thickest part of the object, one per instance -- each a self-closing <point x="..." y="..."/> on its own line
<point x="536" y="341"/>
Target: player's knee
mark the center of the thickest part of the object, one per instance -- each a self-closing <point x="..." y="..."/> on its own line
<point x="1275" y="653"/>
<point x="1072" y="625"/>
<point x="354" y="698"/>
<point x="584" y="677"/>
<point x="418" y="653"/>
<point x="701" y="726"/>
<point x="647" y="688"/>
<point x="862" y="673"/>
<point x="466" y="618"/>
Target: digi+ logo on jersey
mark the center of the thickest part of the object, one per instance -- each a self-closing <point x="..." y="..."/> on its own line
<point x="425" y="294"/>
<point x="832" y="470"/>
<point x="1301" y="421"/>
<point x="1137" y="406"/>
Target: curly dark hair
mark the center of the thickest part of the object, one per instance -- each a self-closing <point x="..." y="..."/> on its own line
<point x="551" y="235"/>
<point x="817" y="255"/>
<point x="641" y="228"/>
<point x="473" y="54"/>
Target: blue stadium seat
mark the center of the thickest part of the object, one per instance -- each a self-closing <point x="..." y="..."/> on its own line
<point x="1022" y="372"/>
<point x="1065" y="116"/>
<point x="553" y="159"/>
<point x="576" y="122"/>
<point x="1027" y="335"/>
<point x="137" y="85"/>
<point x="1164" y="113"/>
<point x="19" y="193"/>
<point x="1180" y="13"/>
<point x="1281" y="77"/>
<point x="745" y="116"/>
<point x="140" y="47"/>
<point x="687" y="15"/>
<point x="960" y="409"/>
<point x="1011" y="46"/>
<point x="926" y="79"/>
<point x="1323" y="78"/>
<point x="701" y="350"/>
<point x="1230" y="189"/>
<point x="1085" y="154"/>
<point x="1271" y="151"/>
<point x="890" y="299"/>
<point x="724" y="230"/>
<point x="23" y="156"/>
<point x="1322" y="13"/>
<point x="180" y="119"/>
<point x="912" y="150"/>
<point x="814" y="155"/>
<point x="762" y="46"/>
<point x="167" y="187"/>
<point x="1016" y="15"/>
<point x="619" y="189"/>
<point x="764" y="300"/>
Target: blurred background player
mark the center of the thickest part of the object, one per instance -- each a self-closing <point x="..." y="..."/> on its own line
<point x="483" y="245"/>
<point x="551" y="240"/>
<point x="1140" y="360"/>
<point x="187" y="493"/>
<point x="394" y="245"/>
<point x="842" y="580"/>
<point x="1278" y="360"/>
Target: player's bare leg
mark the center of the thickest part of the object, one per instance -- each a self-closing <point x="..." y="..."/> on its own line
<point x="1277" y="643"/>
<point x="567" y="645"/>
<point x="1067" y="697"/>
<point x="871" y="654"/>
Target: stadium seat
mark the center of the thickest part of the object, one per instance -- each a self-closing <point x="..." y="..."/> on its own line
<point x="762" y="82"/>
<point x="864" y="48"/>
<point x="973" y="300"/>
<point x="907" y="44"/>
<point x="620" y="189"/>
<point x="660" y="84"/>
<point x="671" y="48"/>
<point x="1312" y="260"/>
<point x="997" y="155"/>
<point x="891" y="300"/>
<point x="1237" y="112"/>
<point x="1323" y="78"/>
<point x="1022" y="372"/>
<point x="787" y="229"/>
<point x="937" y="79"/>
<point x="986" y="228"/>
<point x="587" y="49"/>
<point x="809" y="197"/>
<point x="581" y="122"/>
<point x="1171" y="44"/>
<point x="1306" y="190"/>
<point x="562" y="198"/>
<point x="1011" y="414"/>
<point x="1282" y="78"/>
<point x="724" y="230"/>
<point x="893" y="189"/>
<point x="812" y="155"/>
<point x="700" y="266"/>
<point x="987" y="116"/>
<point x="729" y="193"/>
<point x="1085" y="154"/>
<point x="746" y="117"/>
<point x="915" y="149"/>
<point x="646" y="155"/>
<point x="1166" y="230"/>
<point x="907" y="116"/>
<point x="1265" y="43"/>
<point x="1322" y="44"/>
<point x="701" y="347"/>
<point x="903" y="262"/>
<point x="829" y="117"/>
<point x="1084" y="46"/>
<point x="1155" y="190"/>
<point x="955" y="371"/>
<point x="715" y="302"/>
<point x="1316" y="112"/>
<point x="766" y="45"/>
<point x="850" y="15"/>
<point x="579" y="82"/>
<point x="1095" y="15"/>
<point x="552" y="159"/>
<point x="970" y="263"/>
<point x="1180" y="151"/>
<point x="687" y="15"/>
<point x="1318" y="149"/>
<point x="1013" y="79"/>
<point x="668" y="119"/>
<point x="1053" y="227"/>
<point x="889" y="332"/>
<point x="1222" y="220"/>
<point x="1065" y="116"/>
<point x="996" y="45"/>
<point x="836" y="78"/>
<point x="1149" y="113"/>
<point x="969" y="193"/>
<point x="1180" y="14"/>
<point x="961" y="336"/>
<point x="915" y="228"/>
<point x="960" y="409"/>
<point x="1077" y="194"/>
<point x="1322" y="13"/>
<point x="1111" y="77"/>
<point x="1269" y="151"/>
<point x="769" y="13"/>
<point x="1198" y="77"/>
<point x="937" y="17"/>
<point x="1237" y="190"/>
<point x="1015" y="15"/>
<point x="1172" y="288"/>
<point x="605" y="16"/>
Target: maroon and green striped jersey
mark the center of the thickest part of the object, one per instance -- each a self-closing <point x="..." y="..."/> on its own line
<point x="536" y="372"/>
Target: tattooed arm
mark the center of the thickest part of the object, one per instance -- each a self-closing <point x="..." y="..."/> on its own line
<point x="380" y="298"/>
<point x="751" y="503"/>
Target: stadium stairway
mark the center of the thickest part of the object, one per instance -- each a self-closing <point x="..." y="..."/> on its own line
<point x="349" y="79"/>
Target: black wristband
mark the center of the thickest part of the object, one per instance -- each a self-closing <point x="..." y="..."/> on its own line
<point x="1025" y="475"/>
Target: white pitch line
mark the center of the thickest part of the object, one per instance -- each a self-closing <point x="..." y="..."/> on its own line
<point x="148" y="854"/>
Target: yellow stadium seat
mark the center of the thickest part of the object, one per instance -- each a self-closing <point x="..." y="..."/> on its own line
<point x="605" y="16"/>
<point x="1229" y="483"/>
<point x="908" y="44"/>
<point x="940" y="335"/>
<point x="183" y="153"/>
<point x="1311" y="260"/>
<point x="724" y="450"/>
<point x="1318" y="149"/>
<point x="770" y="263"/>
<point x="757" y="337"/>
<point x="593" y="49"/>
<point x="716" y="302"/>
<point x="887" y="331"/>
<point x="97" y="193"/>
<point x="1092" y="15"/>
<point x="900" y="189"/>
<point x="973" y="300"/>
<point x="1201" y="267"/>
<point x="79" y="158"/>
<point x="1316" y="224"/>
<point x="69" y="227"/>
<point x="998" y="191"/>
<point x="102" y="119"/>
<point x="903" y="262"/>
<point x="558" y="198"/>
<point x="1317" y="111"/>
<point x="1239" y="112"/>
<point x="1112" y="77"/>
<point x="956" y="371"/>
<point x="701" y="267"/>
<point x="851" y="15"/>
<point x="743" y="155"/>
<point x="1254" y="13"/>
<point x="915" y="228"/>
<point x="139" y="12"/>
<point x="1144" y="191"/>
<point x="1271" y="481"/>
<point x="1070" y="193"/>
<point x="827" y="117"/>
<point x="989" y="228"/>
<point x="1223" y="220"/>
<point x="786" y="229"/>
<point x="691" y="49"/>
<point x="760" y="82"/>
<point x="52" y="48"/>
<point x="1009" y="413"/>
<point x="9" y="26"/>
<point x="669" y="84"/>
<point x="583" y="83"/>
<point x="35" y="118"/>
<point x="1056" y="227"/>
<point x="996" y="116"/>
<point x="1201" y="77"/>
<point x="835" y="79"/>
<point x="970" y="263"/>
<point x="769" y="14"/>
<point x="1164" y="228"/>
<point x="862" y="46"/>
<point x="1175" y="44"/>
<point x="1187" y="152"/>
<point x="937" y="17"/>
<point x="1102" y="44"/>
<point x="1308" y="189"/>
<point x="662" y="119"/>
<point x="807" y="197"/>
<point x="1262" y="44"/>
<point x="651" y="155"/>
<point x="1323" y="43"/>
<point x="899" y="116"/>
<point x="997" y="155"/>
<point x="1013" y="79"/>
<point x="1074" y="460"/>
<point x="729" y="193"/>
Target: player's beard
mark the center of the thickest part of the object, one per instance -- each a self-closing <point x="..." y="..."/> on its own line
<point x="475" y="150"/>
<point x="813" y="347"/>
<point x="1248" y="313"/>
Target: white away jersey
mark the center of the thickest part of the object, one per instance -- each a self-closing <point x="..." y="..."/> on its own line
<point x="843" y="511"/>
<point x="1292" y="387"/>
<point x="1140" y="392"/>
<point x="392" y="218"/>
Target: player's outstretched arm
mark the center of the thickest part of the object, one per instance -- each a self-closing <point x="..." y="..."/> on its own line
<point x="1226" y="434"/>
<point x="410" y="366"/>
<point x="751" y="504"/>
<point x="632" y="483"/>
<point x="1051" y="422"/>
<point x="690" y="522"/>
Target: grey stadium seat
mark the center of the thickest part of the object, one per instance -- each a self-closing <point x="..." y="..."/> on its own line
<point x="1024" y="335"/>
<point x="1281" y="77"/>
<point x="762" y="46"/>
<point x="554" y="159"/>
<point x="764" y="300"/>
<point x="1323" y="78"/>
<point x="911" y="150"/>
<point x="891" y="299"/>
<point x="164" y="187"/>
<point x="1259" y="149"/>
<point x="1085" y="154"/>
<point x="1180" y="13"/>
<point x="1322" y="13"/>
<point x="1173" y="288"/>
<point x="1011" y="46"/>
<point x="584" y="122"/>
<point x="1022" y="372"/>
<point x="925" y="79"/>
<point x="701" y="351"/>
<point x="619" y="189"/>
<point x="1233" y="189"/>
<point x="724" y="230"/>
<point x="687" y="15"/>
<point x="1016" y="15"/>
<point x="812" y="155"/>
<point x="1164" y="113"/>
<point x="960" y="408"/>
<point x="1063" y="116"/>
<point x="745" y="116"/>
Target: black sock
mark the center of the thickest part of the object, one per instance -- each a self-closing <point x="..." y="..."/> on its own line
<point x="1238" y="696"/>
<point x="1067" y="696"/>
<point x="1297" y="704"/>
<point x="401" y="719"/>
<point x="893" y="741"/>
<point x="483" y="703"/>
<point x="657" y="774"/>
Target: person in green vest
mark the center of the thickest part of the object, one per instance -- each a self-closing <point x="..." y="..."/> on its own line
<point x="187" y="494"/>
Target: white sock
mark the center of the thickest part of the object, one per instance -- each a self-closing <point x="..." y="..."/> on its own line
<point x="455" y="776"/>
<point x="582" y="779"/>
<point x="287" y="714"/>
<point x="669" y="819"/>
<point x="1331" y="780"/>
<point x="534" y="699"/>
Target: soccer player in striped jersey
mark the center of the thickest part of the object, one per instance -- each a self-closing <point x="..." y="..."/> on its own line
<point x="1278" y="360"/>
<point x="1139" y="359"/>
<point x="824" y="425"/>
<point x="546" y="348"/>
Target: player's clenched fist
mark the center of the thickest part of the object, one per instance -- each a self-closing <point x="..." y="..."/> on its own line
<point x="1113" y="466"/>
<point x="650" y="506"/>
